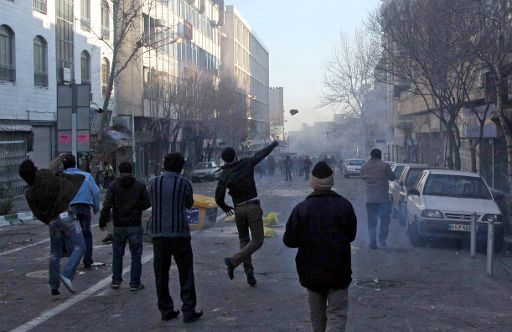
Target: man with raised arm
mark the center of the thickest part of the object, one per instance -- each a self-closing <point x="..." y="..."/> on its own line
<point x="238" y="177"/>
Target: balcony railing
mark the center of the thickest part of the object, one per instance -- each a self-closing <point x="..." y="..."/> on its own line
<point x="85" y="23"/>
<point x="105" y="33"/>
<point x="39" y="5"/>
<point x="41" y="79"/>
<point x="7" y="73"/>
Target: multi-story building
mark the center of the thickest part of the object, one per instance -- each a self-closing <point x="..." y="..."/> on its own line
<point x="276" y="110"/>
<point x="180" y="39"/>
<point x="246" y="58"/>
<point x="41" y="42"/>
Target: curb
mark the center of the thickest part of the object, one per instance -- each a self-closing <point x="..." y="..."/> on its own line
<point x="16" y="219"/>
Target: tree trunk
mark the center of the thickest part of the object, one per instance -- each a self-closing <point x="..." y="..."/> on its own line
<point x="506" y="130"/>
<point x="473" y="151"/>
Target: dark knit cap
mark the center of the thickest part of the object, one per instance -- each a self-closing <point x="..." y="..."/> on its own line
<point x="228" y="155"/>
<point x="321" y="170"/>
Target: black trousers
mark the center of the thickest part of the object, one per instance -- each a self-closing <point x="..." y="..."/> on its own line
<point x="164" y="249"/>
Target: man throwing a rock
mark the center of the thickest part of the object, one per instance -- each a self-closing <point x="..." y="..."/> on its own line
<point x="238" y="177"/>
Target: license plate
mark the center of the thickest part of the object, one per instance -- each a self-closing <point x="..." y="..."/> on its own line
<point x="459" y="228"/>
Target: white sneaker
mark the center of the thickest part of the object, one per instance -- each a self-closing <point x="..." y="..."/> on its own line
<point x="68" y="283"/>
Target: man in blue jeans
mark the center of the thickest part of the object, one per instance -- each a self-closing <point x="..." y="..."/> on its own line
<point x="48" y="195"/>
<point x="376" y="175"/>
<point x="88" y="196"/>
<point x="127" y="198"/>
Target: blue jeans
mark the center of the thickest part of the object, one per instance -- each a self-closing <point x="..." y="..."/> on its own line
<point x="132" y="235"/>
<point x="59" y="229"/>
<point x="83" y="215"/>
<point x="377" y="211"/>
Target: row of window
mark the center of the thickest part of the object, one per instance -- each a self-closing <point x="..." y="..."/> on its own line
<point x="8" y="63"/>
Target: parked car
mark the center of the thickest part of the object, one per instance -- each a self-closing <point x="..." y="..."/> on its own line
<point x="399" y="188"/>
<point x="441" y="205"/>
<point x="352" y="167"/>
<point x="205" y="171"/>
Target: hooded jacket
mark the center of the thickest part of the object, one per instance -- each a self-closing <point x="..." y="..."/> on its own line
<point x="127" y="198"/>
<point x="238" y="177"/>
<point x="52" y="192"/>
<point x="322" y="228"/>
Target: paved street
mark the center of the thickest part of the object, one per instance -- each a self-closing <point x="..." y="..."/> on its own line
<point x="400" y="288"/>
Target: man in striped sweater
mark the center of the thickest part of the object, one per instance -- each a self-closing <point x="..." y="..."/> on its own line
<point x="170" y="196"/>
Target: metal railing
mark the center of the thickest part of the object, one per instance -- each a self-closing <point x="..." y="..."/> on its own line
<point x="39" y="5"/>
<point x="7" y="73"/>
<point x="105" y="32"/>
<point x="85" y="23"/>
<point x="41" y="78"/>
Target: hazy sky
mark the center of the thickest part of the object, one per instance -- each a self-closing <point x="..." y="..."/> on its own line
<point x="300" y="36"/>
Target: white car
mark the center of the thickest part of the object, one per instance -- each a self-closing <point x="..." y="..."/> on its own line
<point x="352" y="167"/>
<point x="206" y="171"/>
<point x="398" y="188"/>
<point x="441" y="204"/>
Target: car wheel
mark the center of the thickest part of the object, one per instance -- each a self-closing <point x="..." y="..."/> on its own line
<point x="416" y="239"/>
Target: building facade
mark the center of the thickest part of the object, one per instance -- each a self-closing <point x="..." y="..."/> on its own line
<point x="41" y="43"/>
<point x="245" y="57"/>
<point x="181" y="42"/>
<point x="276" y="109"/>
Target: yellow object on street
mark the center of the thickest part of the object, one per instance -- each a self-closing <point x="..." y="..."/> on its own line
<point x="271" y="219"/>
<point x="203" y="213"/>
<point x="269" y="232"/>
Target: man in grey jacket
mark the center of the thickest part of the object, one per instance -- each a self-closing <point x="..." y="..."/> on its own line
<point x="376" y="174"/>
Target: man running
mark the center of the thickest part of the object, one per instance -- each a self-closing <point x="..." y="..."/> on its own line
<point x="238" y="176"/>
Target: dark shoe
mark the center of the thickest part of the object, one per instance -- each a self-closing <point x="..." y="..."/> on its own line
<point x="192" y="317"/>
<point x="107" y="239"/>
<point x="170" y="316"/>
<point x="230" y="267"/>
<point x="136" y="288"/>
<point x="55" y="292"/>
<point x="115" y="285"/>
<point x="87" y="266"/>
<point x="250" y="279"/>
<point x="373" y="245"/>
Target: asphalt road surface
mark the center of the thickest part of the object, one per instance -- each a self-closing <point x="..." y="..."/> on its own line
<point x="399" y="288"/>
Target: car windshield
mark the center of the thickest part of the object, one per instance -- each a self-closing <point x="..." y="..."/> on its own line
<point x="456" y="186"/>
<point x="356" y="162"/>
<point x="203" y="165"/>
<point x="413" y="176"/>
<point x="398" y="171"/>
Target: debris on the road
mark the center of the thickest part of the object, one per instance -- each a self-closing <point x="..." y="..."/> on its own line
<point x="98" y="264"/>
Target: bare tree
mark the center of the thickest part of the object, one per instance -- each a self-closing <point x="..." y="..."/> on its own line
<point x="350" y="74"/>
<point x="490" y="40"/>
<point x="126" y="41"/>
<point x="422" y="47"/>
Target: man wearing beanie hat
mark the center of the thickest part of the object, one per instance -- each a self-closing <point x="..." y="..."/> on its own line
<point x="376" y="175"/>
<point x="238" y="176"/>
<point x="322" y="228"/>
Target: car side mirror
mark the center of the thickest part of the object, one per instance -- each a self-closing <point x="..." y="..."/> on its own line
<point x="413" y="192"/>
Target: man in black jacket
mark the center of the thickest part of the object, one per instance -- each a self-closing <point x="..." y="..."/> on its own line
<point x="238" y="177"/>
<point x="127" y="197"/>
<point x="322" y="227"/>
